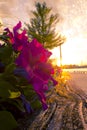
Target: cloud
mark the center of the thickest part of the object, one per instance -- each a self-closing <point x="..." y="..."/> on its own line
<point x="4" y="9"/>
<point x="72" y="13"/>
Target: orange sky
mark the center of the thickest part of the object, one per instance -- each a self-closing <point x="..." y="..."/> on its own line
<point x="74" y="51"/>
<point x="73" y="24"/>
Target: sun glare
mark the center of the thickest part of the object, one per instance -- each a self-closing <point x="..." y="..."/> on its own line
<point x="70" y="54"/>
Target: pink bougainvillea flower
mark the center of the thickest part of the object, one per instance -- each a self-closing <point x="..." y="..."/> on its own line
<point x="44" y="70"/>
<point x="38" y="51"/>
<point x="32" y="54"/>
<point x="32" y="62"/>
<point x="39" y="88"/>
<point x="10" y="35"/>
<point x="33" y="58"/>
<point x="17" y="39"/>
<point x="17" y="27"/>
<point x="30" y="58"/>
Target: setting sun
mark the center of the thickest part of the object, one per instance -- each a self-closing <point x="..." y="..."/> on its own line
<point x="73" y="52"/>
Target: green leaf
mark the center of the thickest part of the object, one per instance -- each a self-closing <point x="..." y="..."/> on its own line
<point x="36" y="104"/>
<point x="14" y="94"/>
<point x="10" y="78"/>
<point x="8" y="91"/>
<point x="29" y="92"/>
<point x="5" y="53"/>
<point x="9" y="68"/>
<point x="7" y="121"/>
<point x="18" y="103"/>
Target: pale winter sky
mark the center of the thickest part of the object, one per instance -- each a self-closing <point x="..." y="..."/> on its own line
<point x="73" y="24"/>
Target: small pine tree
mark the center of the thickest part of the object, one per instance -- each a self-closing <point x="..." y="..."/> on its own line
<point x="42" y="27"/>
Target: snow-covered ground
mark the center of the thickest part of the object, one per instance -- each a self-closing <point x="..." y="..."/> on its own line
<point x="79" y="80"/>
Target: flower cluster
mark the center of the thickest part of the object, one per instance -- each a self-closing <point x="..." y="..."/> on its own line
<point x="32" y="61"/>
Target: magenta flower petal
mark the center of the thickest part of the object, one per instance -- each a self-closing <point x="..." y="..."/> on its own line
<point x="35" y="51"/>
<point x="54" y="81"/>
<point x="10" y="35"/>
<point x="18" y="40"/>
<point x="32" y="62"/>
<point x="25" y="58"/>
<point x="17" y="27"/>
<point x="42" y="99"/>
<point x="33" y="58"/>
<point x="38" y="51"/>
<point x="39" y="90"/>
<point x="44" y="71"/>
